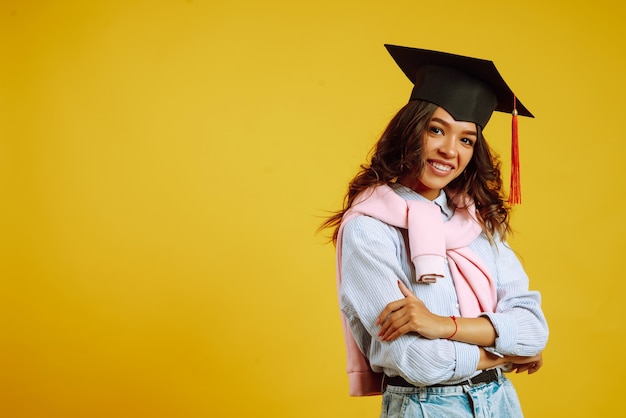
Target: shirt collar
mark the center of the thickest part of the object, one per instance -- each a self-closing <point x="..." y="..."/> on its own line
<point x="410" y="194"/>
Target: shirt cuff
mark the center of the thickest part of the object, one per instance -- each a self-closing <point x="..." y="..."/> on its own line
<point x="506" y="330"/>
<point x="467" y="357"/>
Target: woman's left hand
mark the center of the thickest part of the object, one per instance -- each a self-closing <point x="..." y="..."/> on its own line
<point x="411" y="315"/>
<point x="527" y="364"/>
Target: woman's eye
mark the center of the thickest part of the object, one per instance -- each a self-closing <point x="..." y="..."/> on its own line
<point x="436" y="130"/>
<point x="468" y="141"/>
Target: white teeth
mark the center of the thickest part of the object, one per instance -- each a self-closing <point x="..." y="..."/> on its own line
<point x="441" y="167"/>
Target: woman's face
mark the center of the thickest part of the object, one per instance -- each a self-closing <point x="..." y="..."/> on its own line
<point x="448" y="146"/>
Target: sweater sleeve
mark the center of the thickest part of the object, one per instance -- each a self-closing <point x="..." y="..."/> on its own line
<point x="374" y="258"/>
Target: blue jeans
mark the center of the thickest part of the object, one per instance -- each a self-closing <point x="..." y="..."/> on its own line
<point x="486" y="400"/>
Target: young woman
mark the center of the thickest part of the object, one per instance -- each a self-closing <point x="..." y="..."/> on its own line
<point x="435" y="304"/>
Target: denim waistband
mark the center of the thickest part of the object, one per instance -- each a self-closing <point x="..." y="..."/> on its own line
<point x="400" y="385"/>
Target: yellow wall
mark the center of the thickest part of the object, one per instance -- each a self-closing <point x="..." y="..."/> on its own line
<point x="164" y="166"/>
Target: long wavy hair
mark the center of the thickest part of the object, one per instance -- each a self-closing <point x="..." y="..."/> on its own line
<point x="398" y="154"/>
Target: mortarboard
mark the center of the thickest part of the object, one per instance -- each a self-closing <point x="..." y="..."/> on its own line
<point x="470" y="89"/>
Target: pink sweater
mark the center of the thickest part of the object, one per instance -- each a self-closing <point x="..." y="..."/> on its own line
<point x="431" y="242"/>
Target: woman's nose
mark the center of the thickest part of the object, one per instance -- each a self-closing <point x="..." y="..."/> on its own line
<point x="448" y="148"/>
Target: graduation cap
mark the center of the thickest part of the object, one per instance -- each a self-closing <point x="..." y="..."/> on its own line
<point x="470" y="89"/>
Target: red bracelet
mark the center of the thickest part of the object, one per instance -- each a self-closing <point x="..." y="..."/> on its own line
<point x="456" y="327"/>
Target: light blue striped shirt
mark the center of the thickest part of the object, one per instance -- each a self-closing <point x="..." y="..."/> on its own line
<point x="375" y="255"/>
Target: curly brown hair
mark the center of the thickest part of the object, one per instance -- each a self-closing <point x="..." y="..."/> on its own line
<point x="398" y="154"/>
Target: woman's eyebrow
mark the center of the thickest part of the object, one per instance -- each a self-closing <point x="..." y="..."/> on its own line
<point x="443" y="122"/>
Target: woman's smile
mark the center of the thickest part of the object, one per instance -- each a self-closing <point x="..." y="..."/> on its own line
<point x="444" y="168"/>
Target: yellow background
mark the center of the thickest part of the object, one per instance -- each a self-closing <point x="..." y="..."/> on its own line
<point x="164" y="166"/>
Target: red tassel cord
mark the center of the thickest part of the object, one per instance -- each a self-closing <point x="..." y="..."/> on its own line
<point x="515" y="192"/>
